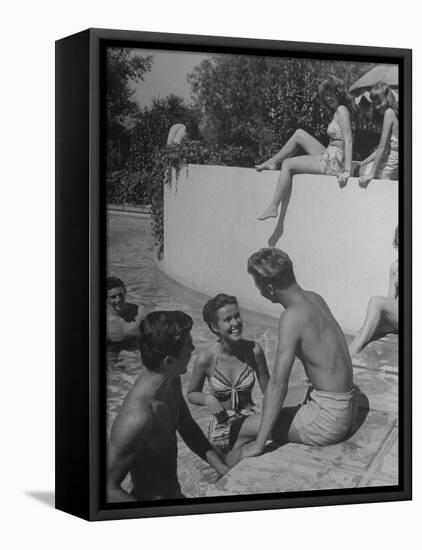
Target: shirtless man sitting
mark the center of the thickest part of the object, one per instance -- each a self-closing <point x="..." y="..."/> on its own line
<point x="143" y="438"/>
<point x="307" y="330"/>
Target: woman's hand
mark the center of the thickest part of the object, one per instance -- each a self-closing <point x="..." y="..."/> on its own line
<point x="364" y="181"/>
<point x="214" y="404"/>
<point x="343" y="178"/>
<point x="252" y="449"/>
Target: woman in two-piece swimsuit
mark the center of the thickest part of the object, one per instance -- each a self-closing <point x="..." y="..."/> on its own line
<point x="334" y="160"/>
<point x="230" y="365"/>
<point x="384" y="162"/>
<point x="382" y="314"/>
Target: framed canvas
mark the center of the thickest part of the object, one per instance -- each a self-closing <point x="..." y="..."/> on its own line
<point x="231" y="330"/>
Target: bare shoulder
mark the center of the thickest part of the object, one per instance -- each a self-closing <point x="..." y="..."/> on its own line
<point x="342" y="111"/>
<point x="389" y="115"/>
<point x="206" y="358"/>
<point x="317" y="299"/>
<point x="292" y="319"/>
<point x="135" y="417"/>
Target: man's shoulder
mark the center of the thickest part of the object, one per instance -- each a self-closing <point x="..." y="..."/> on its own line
<point x="292" y="318"/>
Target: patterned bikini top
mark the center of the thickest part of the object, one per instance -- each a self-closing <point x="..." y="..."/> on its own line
<point x="334" y="130"/>
<point x="223" y="389"/>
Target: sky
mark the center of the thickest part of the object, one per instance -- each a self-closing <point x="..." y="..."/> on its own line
<point x="168" y="75"/>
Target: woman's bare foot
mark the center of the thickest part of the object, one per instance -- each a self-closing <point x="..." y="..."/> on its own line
<point x="266" y="166"/>
<point x="273" y="240"/>
<point x="270" y="212"/>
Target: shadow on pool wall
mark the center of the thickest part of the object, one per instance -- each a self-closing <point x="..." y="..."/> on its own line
<point x="340" y="240"/>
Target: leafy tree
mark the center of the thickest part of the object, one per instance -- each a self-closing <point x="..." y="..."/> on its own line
<point x="123" y="68"/>
<point x="258" y="101"/>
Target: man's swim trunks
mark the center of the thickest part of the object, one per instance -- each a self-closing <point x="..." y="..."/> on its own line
<point x="325" y="417"/>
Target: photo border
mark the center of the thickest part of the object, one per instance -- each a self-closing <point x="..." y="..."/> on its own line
<point x="81" y="261"/>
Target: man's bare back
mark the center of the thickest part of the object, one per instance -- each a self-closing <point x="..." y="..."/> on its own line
<point x="154" y="468"/>
<point x="322" y="346"/>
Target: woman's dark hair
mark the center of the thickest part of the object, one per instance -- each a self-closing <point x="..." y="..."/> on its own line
<point x="114" y="282"/>
<point x="337" y="87"/>
<point x="382" y="92"/>
<point x="162" y="334"/>
<point x="210" y="310"/>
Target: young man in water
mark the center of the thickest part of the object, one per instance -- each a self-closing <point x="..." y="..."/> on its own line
<point x="123" y="318"/>
<point x="143" y="438"/>
<point x="307" y="330"/>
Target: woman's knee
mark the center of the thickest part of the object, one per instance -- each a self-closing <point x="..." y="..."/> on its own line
<point x="376" y="304"/>
<point x="288" y="165"/>
<point x="300" y="134"/>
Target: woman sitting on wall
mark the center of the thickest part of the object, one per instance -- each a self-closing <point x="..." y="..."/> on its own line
<point x="384" y="162"/>
<point x="230" y="366"/>
<point x="334" y="160"/>
<point x="382" y="314"/>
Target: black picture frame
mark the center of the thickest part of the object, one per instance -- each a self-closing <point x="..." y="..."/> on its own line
<point x="80" y="268"/>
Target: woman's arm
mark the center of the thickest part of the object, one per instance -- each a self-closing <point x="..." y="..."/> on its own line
<point x="195" y="394"/>
<point x="344" y="120"/>
<point x="387" y="128"/>
<point x="369" y="159"/>
<point x="392" y="286"/>
<point x="261" y="367"/>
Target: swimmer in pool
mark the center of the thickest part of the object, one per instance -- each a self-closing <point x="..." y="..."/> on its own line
<point x="123" y="318"/>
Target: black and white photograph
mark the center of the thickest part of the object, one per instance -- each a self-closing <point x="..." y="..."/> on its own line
<point x="252" y="274"/>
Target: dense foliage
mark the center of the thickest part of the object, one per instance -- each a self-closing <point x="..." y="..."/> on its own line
<point x="259" y="102"/>
<point x="123" y="70"/>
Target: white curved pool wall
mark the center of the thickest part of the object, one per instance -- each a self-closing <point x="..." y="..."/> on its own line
<point x="340" y="240"/>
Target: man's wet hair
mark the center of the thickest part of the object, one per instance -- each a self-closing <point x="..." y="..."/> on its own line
<point x="114" y="282"/>
<point x="163" y="334"/>
<point x="271" y="266"/>
<point x="210" y="310"/>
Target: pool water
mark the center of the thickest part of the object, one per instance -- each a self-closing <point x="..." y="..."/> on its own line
<point x="130" y="257"/>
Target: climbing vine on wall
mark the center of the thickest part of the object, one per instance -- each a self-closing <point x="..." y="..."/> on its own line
<point x="137" y="186"/>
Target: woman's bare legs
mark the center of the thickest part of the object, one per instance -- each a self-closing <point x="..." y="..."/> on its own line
<point x="297" y="165"/>
<point x="300" y="139"/>
<point x="279" y="228"/>
<point x="283" y="431"/>
<point x="382" y="317"/>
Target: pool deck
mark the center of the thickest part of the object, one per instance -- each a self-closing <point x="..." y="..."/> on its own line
<point x="369" y="458"/>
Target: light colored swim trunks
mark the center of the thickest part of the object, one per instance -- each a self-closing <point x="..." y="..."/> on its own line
<point x="325" y="417"/>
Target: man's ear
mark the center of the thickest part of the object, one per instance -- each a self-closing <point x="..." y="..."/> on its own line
<point x="167" y="362"/>
<point x="271" y="290"/>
